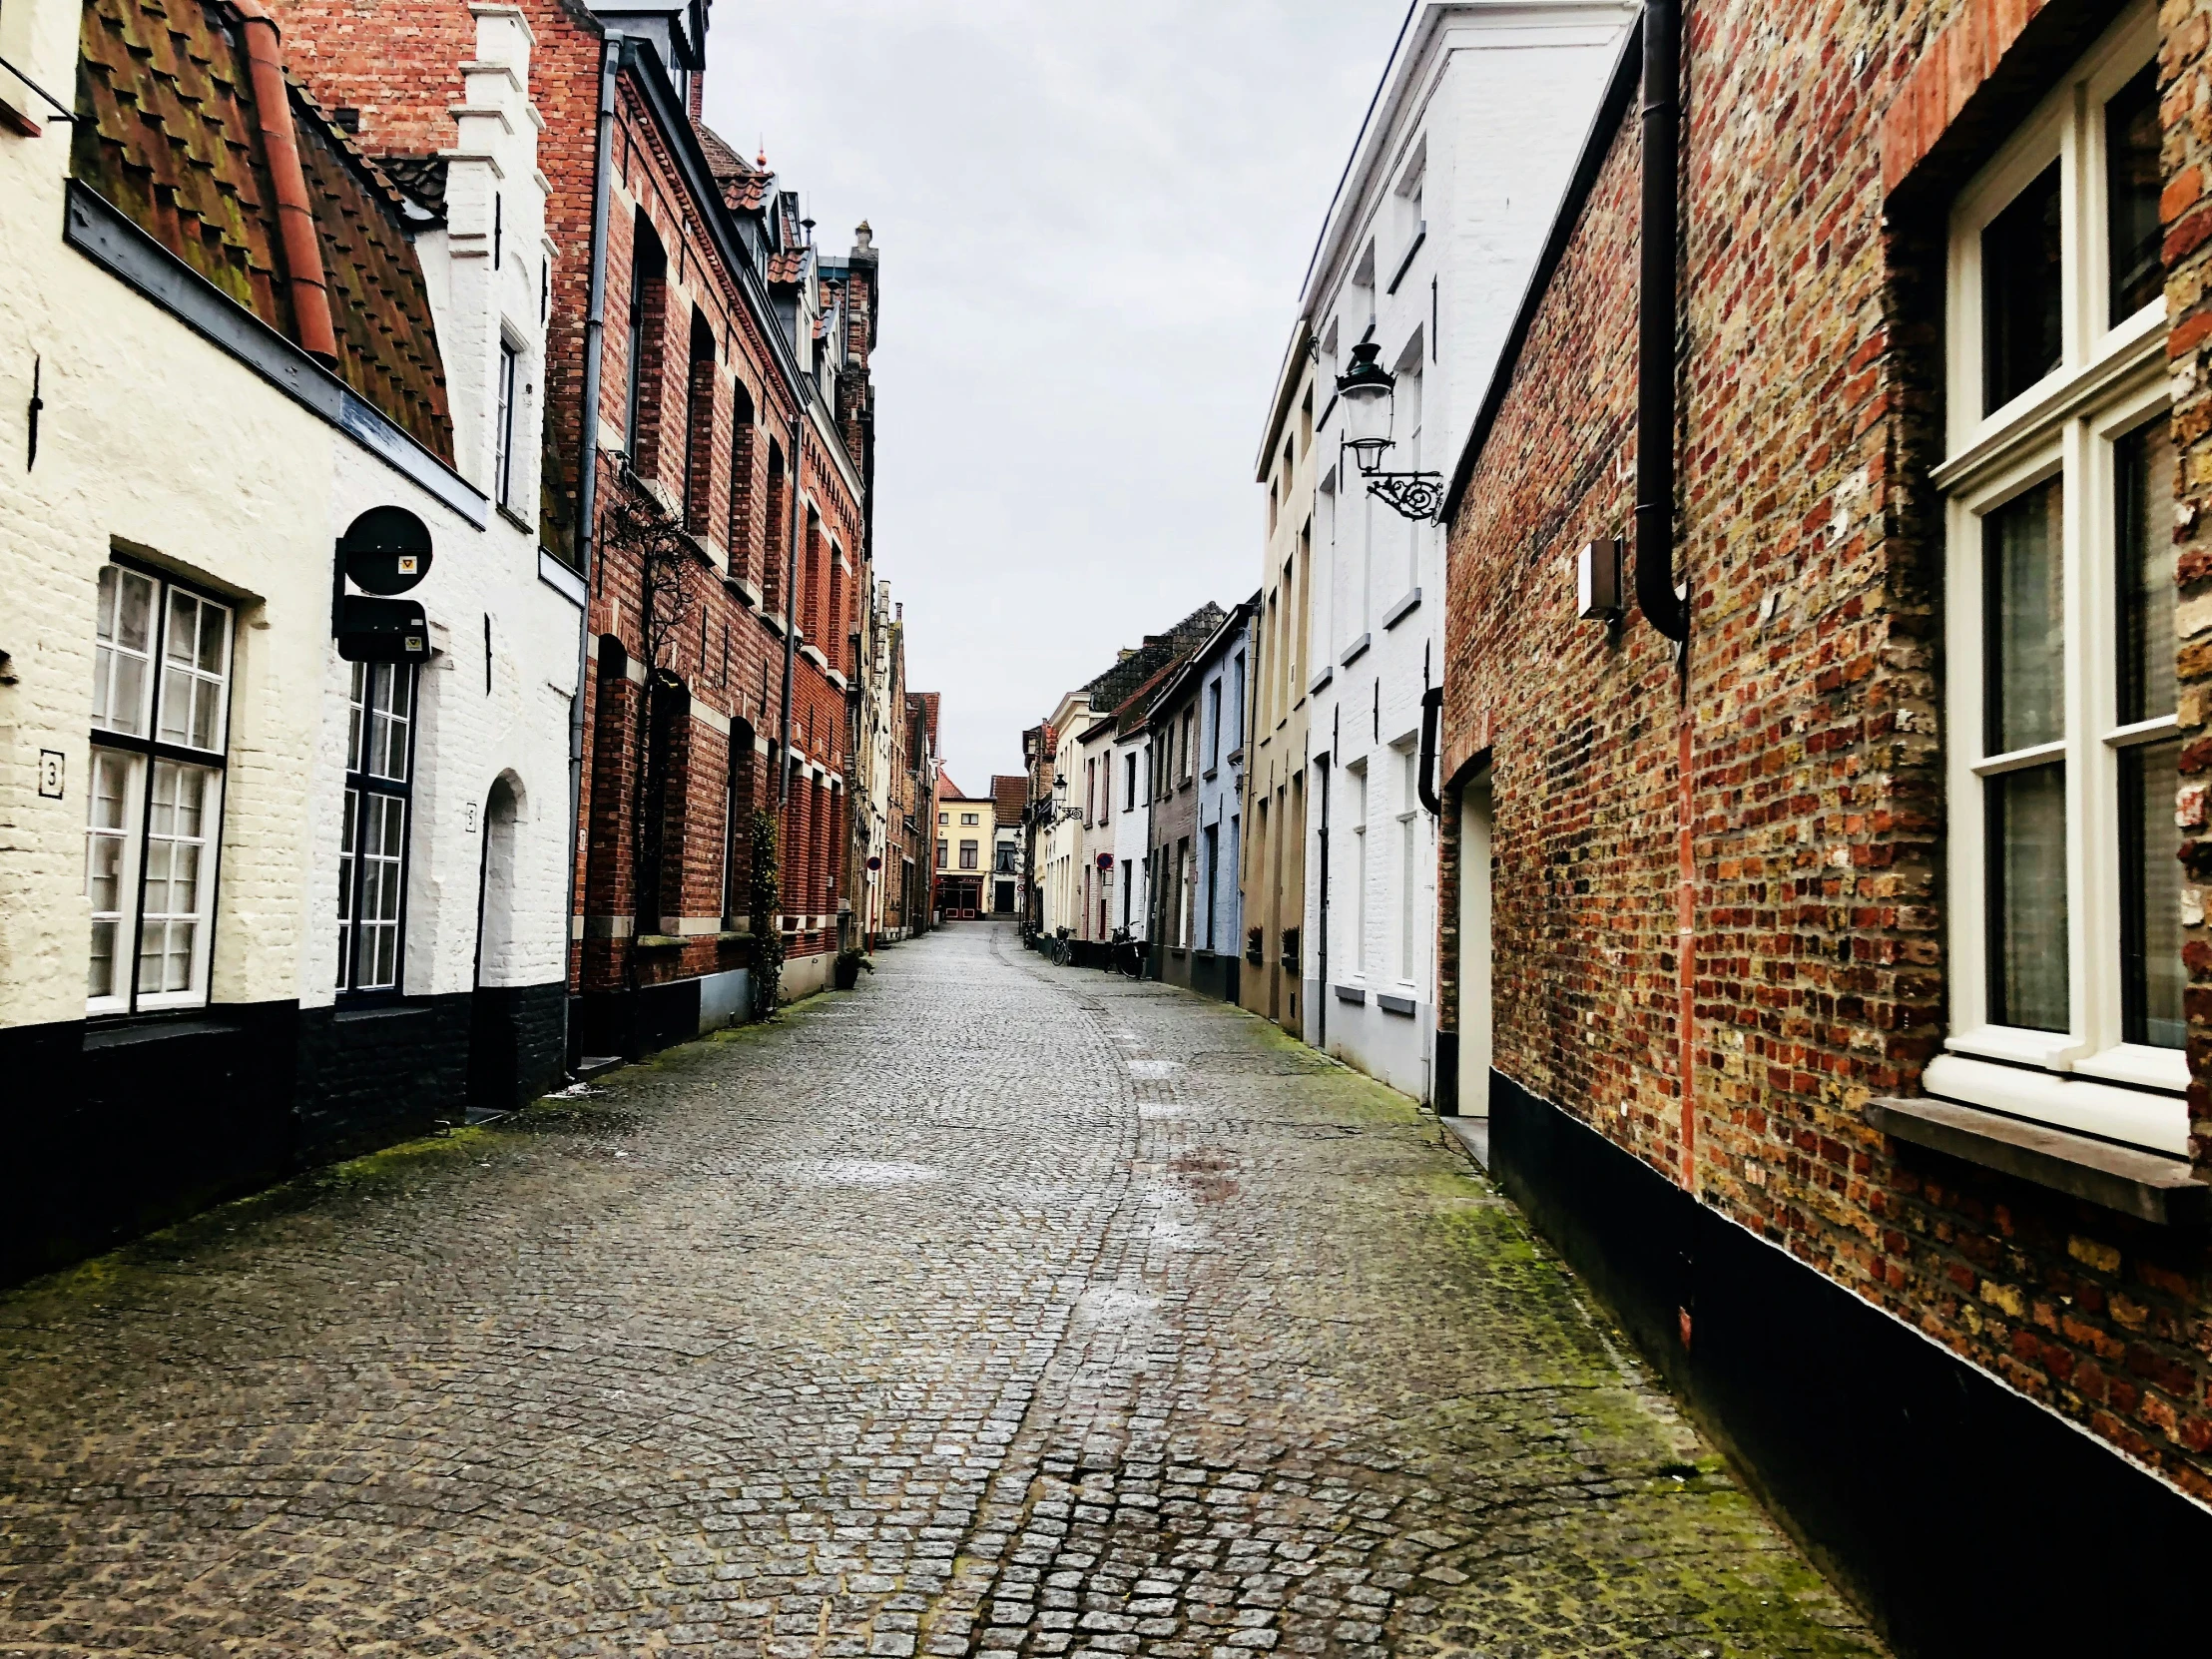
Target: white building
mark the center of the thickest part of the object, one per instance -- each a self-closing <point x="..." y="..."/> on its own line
<point x="1425" y="251"/>
<point x="276" y="888"/>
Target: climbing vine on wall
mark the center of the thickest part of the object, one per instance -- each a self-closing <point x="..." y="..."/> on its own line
<point x="764" y="903"/>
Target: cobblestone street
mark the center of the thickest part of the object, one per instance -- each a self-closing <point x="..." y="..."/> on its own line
<point x="886" y="1329"/>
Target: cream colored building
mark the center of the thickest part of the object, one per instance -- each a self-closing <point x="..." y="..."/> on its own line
<point x="265" y="902"/>
<point x="1276" y="746"/>
<point x="1061" y="848"/>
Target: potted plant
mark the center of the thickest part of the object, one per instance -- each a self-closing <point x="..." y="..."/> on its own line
<point x="847" y="969"/>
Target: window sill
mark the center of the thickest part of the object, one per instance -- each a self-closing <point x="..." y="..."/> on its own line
<point x="1211" y="773"/>
<point x="742" y="590"/>
<point x="126" y="1030"/>
<point x="378" y="1010"/>
<point x="1320" y="680"/>
<point x="2156" y="1122"/>
<point x="2163" y="1191"/>
<point x="776" y="623"/>
<point x="1405" y="259"/>
<point x="516" y="519"/>
<point x="1402" y="1005"/>
<point x="1353" y="652"/>
<point x="1350" y="993"/>
<point x="1401" y="610"/>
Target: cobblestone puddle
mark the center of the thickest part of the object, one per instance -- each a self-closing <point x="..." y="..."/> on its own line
<point x="995" y="1306"/>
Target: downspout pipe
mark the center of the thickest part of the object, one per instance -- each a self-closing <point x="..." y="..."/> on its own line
<point x="587" y="465"/>
<point x="310" y="289"/>
<point x="1431" y="713"/>
<point x="1664" y="607"/>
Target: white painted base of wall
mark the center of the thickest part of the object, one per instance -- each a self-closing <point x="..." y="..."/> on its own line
<point x="804" y="975"/>
<point x="725" y="1000"/>
<point x="1391" y="1048"/>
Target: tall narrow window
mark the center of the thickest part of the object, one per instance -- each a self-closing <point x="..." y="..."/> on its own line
<point x="2025" y="642"/>
<point x="699" y="427"/>
<point x="1408" y="401"/>
<point x="648" y="324"/>
<point x="2132" y="184"/>
<point x="372" y="835"/>
<point x="1213" y="724"/>
<point x="2061" y="627"/>
<point x="1212" y="881"/>
<point x="744" y="544"/>
<point x="503" y="428"/>
<point x="1360" y="866"/>
<point x="160" y="715"/>
<point x="2020" y="292"/>
<point x="1408" y="832"/>
<point x="2152" y="977"/>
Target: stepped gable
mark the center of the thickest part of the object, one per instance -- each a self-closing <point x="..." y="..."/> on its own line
<point x="168" y="136"/>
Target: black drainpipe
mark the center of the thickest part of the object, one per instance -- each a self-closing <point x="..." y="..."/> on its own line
<point x="586" y="482"/>
<point x="1664" y="608"/>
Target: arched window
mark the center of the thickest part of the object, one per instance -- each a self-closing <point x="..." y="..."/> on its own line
<point x="698" y="428"/>
<point x="744" y="541"/>
<point x="641" y="422"/>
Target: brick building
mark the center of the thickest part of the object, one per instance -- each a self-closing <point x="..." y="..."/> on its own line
<point x="1814" y="934"/>
<point x="708" y="438"/>
<point x="1197" y="739"/>
<point x="1009" y="795"/>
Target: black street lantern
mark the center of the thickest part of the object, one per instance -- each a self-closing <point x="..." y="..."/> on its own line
<point x="1369" y="393"/>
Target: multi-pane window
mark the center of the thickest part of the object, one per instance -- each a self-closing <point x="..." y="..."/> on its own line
<point x="2062" y="633"/>
<point x="969" y="853"/>
<point x="372" y="835"/>
<point x="503" y="428"/>
<point x="160" y="709"/>
<point x="1358" y="772"/>
<point x="943" y="851"/>
<point x="1409" y="835"/>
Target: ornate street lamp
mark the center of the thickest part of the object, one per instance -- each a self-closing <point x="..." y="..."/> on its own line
<point x="1369" y="393"/>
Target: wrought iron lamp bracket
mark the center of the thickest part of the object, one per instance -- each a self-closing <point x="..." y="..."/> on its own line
<point x="1418" y="496"/>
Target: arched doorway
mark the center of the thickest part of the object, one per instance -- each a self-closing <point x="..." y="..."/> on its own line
<point x="494" y="1071"/>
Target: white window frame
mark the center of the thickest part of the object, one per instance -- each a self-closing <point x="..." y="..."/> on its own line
<point x="1408" y="829"/>
<point x="506" y="412"/>
<point x="146" y="755"/>
<point x="1358" y="770"/>
<point x="2110" y="380"/>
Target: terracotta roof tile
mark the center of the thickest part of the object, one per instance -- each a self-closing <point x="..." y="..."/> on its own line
<point x="170" y="137"/>
<point x="787" y="265"/>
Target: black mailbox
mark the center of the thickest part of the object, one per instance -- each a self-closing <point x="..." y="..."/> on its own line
<point x="382" y="631"/>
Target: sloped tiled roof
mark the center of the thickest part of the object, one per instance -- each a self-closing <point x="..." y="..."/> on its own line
<point x="1008" y="797"/>
<point x="787" y="264"/>
<point x="387" y="342"/>
<point x="1158" y="651"/>
<point x="743" y="187"/>
<point x="422" y="177"/>
<point x="170" y="137"/>
<point x="947" y="790"/>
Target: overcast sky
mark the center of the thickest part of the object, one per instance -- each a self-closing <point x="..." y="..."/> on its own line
<point x="1093" y="222"/>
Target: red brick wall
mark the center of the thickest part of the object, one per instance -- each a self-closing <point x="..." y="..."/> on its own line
<point x="1811" y="340"/>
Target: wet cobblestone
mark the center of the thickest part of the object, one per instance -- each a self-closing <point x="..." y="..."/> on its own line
<point x="994" y="1309"/>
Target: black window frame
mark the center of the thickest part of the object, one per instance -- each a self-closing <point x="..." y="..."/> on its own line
<point x="355" y="791"/>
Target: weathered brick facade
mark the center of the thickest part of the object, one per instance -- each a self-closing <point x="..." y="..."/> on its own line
<point x="1718" y="897"/>
<point x="704" y="399"/>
